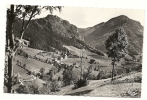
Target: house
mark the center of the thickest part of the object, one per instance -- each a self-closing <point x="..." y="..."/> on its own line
<point x="22" y="42"/>
<point x="92" y="61"/>
<point x="65" y="56"/>
<point x="61" y="58"/>
<point x="25" y="43"/>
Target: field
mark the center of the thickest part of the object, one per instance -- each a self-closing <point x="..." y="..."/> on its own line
<point x="32" y="64"/>
<point x="28" y="79"/>
<point x="21" y="71"/>
<point x="104" y="61"/>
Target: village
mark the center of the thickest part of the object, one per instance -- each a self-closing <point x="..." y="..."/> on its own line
<point x="53" y="59"/>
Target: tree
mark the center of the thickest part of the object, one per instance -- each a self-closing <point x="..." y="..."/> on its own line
<point x="67" y="77"/>
<point x="42" y="70"/>
<point x="86" y="74"/>
<point x="81" y="64"/>
<point x="24" y="66"/>
<point x="23" y="13"/>
<point x="116" y="46"/>
<point x="83" y="80"/>
<point x="51" y="74"/>
<point x="59" y="78"/>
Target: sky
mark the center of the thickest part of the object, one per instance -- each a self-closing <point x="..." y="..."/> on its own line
<point x="84" y="17"/>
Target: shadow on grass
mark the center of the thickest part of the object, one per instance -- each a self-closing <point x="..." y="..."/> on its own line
<point x="80" y="93"/>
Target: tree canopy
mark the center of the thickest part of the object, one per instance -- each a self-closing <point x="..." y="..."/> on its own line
<point x="116" y="46"/>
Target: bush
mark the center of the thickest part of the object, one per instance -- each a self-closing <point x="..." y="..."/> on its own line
<point x="15" y="80"/>
<point x="108" y="75"/>
<point x="103" y="77"/>
<point x="26" y="55"/>
<point x="22" y="89"/>
<point x="33" y="89"/>
<point x="59" y="78"/>
<point x="5" y="89"/>
<point x="42" y="70"/>
<point x="91" y="77"/>
<point x="67" y="77"/>
<point x="29" y="72"/>
<point x="54" y="86"/>
<point x="83" y="81"/>
<point x="24" y="66"/>
<point x="138" y="79"/>
<point x="92" y="61"/>
<point x="128" y="70"/>
<point x="17" y="63"/>
<point x="80" y="83"/>
<point x="51" y="74"/>
<point x="139" y="68"/>
<point x="120" y="71"/>
<point x="100" y="75"/>
<point x="44" y="78"/>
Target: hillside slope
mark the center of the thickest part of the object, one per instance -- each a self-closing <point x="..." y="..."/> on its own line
<point x="97" y="35"/>
<point x="51" y="33"/>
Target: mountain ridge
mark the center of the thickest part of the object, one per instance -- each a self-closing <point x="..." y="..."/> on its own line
<point x="58" y="32"/>
<point x="51" y="33"/>
<point x="134" y="30"/>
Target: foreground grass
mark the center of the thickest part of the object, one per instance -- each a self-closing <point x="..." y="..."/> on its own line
<point x="104" y="88"/>
<point x="117" y="90"/>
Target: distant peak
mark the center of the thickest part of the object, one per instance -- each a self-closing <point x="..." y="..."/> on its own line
<point x="117" y="20"/>
<point x="52" y="16"/>
<point x="123" y="16"/>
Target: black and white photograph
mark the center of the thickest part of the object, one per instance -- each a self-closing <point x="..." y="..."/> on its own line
<point x="73" y="51"/>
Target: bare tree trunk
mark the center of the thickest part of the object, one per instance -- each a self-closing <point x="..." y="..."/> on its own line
<point x="113" y="63"/>
<point x="9" y="86"/>
<point x="7" y="34"/>
<point x="113" y="72"/>
<point x="81" y="65"/>
<point x="11" y="45"/>
<point x="30" y="18"/>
